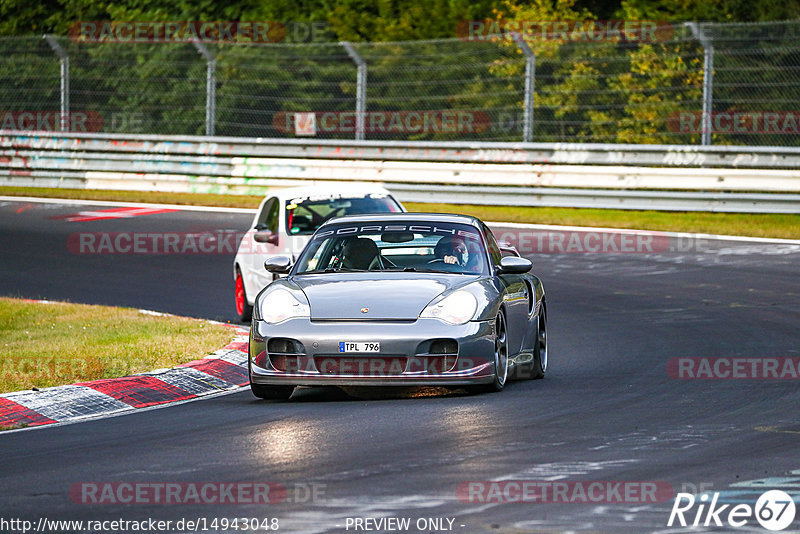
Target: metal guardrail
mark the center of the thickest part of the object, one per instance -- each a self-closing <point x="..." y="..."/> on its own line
<point x="482" y="152"/>
<point x="532" y="174"/>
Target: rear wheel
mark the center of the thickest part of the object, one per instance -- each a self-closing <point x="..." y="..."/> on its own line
<point x="243" y="309"/>
<point x="271" y="392"/>
<point x="540" y="352"/>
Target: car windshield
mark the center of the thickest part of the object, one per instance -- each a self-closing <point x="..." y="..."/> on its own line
<point x="305" y="214"/>
<point x="384" y="246"/>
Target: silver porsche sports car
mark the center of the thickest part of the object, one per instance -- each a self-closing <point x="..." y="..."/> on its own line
<point x="399" y="299"/>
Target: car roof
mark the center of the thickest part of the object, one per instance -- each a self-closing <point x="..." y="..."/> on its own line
<point x="406" y="216"/>
<point x="357" y="189"/>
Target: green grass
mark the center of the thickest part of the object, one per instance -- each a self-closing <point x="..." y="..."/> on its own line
<point x="14" y="427"/>
<point x="748" y="224"/>
<point x="756" y="225"/>
<point x="51" y="344"/>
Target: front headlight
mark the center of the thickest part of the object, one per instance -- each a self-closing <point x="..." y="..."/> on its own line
<point x="280" y="305"/>
<point x="456" y="308"/>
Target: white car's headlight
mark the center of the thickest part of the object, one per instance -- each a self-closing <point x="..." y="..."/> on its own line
<point x="280" y="305"/>
<point x="456" y="308"/>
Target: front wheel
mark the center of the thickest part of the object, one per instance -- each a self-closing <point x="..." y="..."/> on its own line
<point x="500" y="357"/>
<point x="243" y="309"/>
<point x="540" y="353"/>
<point x="271" y="392"/>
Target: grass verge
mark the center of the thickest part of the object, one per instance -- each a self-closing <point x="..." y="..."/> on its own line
<point x="51" y="344"/>
<point x="785" y="226"/>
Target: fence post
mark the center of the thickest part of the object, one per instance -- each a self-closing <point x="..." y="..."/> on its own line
<point x="708" y="79"/>
<point x="62" y="54"/>
<point x="361" y="88"/>
<point x="530" y="85"/>
<point x="211" y="86"/>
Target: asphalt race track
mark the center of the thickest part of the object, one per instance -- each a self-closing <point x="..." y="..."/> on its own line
<point x="607" y="412"/>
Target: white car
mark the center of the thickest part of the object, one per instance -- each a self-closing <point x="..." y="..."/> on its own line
<point x="284" y="223"/>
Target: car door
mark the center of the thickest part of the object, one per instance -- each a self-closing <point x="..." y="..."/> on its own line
<point x="265" y="241"/>
<point x="515" y="297"/>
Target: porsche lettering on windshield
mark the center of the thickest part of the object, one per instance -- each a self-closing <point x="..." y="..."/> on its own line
<point x="413" y="228"/>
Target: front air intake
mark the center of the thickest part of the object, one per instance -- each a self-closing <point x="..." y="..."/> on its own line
<point x="435" y="356"/>
<point x="284" y="354"/>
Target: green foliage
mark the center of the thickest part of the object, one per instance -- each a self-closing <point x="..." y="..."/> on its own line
<point x="618" y="90"/>
<point x="712" y="11"/>
<point x="375" y="20"/>
<point x="585" y="90"/>
<point x="355" y="20"/>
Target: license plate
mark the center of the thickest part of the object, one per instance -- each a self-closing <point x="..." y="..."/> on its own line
<point x="359" y="346"/>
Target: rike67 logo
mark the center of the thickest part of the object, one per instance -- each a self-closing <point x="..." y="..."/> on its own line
<point x="774" y="510"/>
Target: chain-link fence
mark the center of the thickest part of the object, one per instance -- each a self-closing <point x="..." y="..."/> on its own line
<point x="738" y="83"/>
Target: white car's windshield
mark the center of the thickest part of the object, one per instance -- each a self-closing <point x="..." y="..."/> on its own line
<point x="305" y="214"/>
<point x="441" y="247"/>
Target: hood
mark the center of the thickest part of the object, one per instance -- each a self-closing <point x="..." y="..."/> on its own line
<point x="400" y="296"/>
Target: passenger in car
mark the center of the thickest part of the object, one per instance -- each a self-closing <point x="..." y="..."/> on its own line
<point x="360" y="253"/>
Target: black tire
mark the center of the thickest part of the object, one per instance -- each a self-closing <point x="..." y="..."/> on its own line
<point x="540" y="353"/>
<point x="500" y="358"/>
<point x="271" y="392"/>
<point x="243" y="309"/>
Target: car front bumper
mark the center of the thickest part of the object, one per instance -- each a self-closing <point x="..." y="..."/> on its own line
<point x="405" y="358"/>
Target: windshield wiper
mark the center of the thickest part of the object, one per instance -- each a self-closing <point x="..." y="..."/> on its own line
<point x="330" y="271"/>
<point x="422" y="270"/>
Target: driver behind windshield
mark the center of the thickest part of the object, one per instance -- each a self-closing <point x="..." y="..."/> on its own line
<point x="452" y="250"/>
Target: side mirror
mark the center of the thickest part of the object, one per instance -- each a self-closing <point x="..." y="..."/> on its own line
<point x="265" y="237"/>
<point x="515" y="265"/>
<point x="278" y="264"/>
